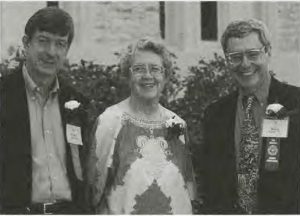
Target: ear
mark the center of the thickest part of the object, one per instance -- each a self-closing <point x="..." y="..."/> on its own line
<point x="25" y="41"/>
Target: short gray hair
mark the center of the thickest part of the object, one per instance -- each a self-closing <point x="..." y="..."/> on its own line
<point x="149" y="45"/>
<point x="242" y="28"/>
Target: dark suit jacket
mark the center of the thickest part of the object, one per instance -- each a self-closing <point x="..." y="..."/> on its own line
<point x="15" y="148"/>
<point x="277" y="191"/>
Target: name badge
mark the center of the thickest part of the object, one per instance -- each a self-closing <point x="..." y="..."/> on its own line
<point x="74" y="134"/>
<point x="275" y="127"/>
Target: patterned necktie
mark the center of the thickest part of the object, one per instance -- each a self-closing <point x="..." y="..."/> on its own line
<point x="248" y="161"/>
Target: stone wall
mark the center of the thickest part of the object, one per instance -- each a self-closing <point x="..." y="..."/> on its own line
<point x="118" y="23"/>
<point x="111" y="27"/>
<point x="288" y="35"/>
<point x="13" y="17"/>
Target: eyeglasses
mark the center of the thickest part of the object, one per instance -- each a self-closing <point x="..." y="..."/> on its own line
<point x="236" y="58"/>
<point x="141" y="69"/>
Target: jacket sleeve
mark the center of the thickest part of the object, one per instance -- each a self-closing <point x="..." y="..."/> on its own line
<point x="206" y="158"/>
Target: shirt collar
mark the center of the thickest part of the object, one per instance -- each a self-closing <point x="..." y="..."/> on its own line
<point x="261" y="93"/>
<point x="33" y="88"/>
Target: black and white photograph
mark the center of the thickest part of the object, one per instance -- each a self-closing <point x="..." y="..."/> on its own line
<point x="149" y="107"/>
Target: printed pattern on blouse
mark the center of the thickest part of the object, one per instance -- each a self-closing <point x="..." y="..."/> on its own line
<point x="148" y="174"/>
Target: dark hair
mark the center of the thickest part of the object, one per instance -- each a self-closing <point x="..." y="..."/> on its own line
<point x="52" y="20"/>
<point x="242" y="28"/>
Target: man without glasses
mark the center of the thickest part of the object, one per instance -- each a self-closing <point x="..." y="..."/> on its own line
<point x="247" y="169"/>
<point x="41" y="166"/>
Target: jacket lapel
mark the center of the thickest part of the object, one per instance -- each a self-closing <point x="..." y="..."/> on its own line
<point x="229" y="124"/>
<point x="275" y="91"/>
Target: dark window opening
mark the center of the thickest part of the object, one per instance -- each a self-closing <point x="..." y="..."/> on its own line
<point x="52" y="3"/>
<point x="209" y="21"/>
<point x="162" y="19"/>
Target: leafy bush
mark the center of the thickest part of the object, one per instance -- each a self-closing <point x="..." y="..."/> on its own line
<point x="207" y="81"/>
<point x="8" y="66"/>
<point x="102" y="85"/>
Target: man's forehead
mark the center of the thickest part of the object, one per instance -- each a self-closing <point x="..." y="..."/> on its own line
<point x="250" y="41"/>
<point x="50" y="35"/>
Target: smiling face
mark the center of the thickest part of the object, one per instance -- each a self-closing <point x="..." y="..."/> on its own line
<point x="249" y="74"/>
<point x="147" y="85"/>
<point x="45" y="54"/>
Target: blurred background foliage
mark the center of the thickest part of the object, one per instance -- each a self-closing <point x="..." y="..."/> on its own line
<point x="105" y="85"/>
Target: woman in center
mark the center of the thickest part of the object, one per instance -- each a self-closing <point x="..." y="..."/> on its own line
<point x="140" y="161"/>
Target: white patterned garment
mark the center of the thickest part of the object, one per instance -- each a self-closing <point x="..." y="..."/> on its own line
<point x="148" y="172"/>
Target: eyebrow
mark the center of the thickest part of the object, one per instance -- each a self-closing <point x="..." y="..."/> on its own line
<point x="65" y="40"/>
<point x="236" y="52"/>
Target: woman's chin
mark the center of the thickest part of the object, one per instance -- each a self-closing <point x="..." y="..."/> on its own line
<point x="149" y="97"/>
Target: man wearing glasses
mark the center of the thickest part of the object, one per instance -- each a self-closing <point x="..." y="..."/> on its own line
<point x="250" y="164"/>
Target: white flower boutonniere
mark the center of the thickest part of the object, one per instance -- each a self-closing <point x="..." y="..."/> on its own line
<point x="175" y="127"/>
<point x="276" y="110"/>
<point x="73" y="112"/>
<point x="72" y="104"/>
<point x="174" y="121"/>
<point x="273" y="108"/>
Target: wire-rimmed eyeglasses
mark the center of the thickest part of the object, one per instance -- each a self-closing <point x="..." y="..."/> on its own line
<point x="141" y="69"/>
<point x="236" y="58"/>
